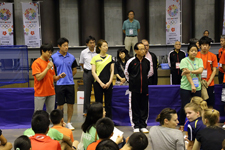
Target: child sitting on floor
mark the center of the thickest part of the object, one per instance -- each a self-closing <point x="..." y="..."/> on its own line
<point x="22" y="143"/>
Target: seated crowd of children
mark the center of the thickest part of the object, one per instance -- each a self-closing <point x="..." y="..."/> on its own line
<point x="201" y="132"/>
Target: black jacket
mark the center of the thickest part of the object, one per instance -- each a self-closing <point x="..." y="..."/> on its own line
<point x="173" y="58"/>
<point x="137" y="74"/>
<point x="153" y="80"/>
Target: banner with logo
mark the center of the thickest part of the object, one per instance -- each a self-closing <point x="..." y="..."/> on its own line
<point x="6" y="24"/>
<point x="31" y="24"/>
<point x="223" y="32"/>
<point x="173" y="27"/>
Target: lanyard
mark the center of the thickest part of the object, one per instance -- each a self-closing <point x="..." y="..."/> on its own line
<point x="194" y="68"/>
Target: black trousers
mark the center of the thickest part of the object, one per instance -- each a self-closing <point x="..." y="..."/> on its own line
<point x="175" y="78"/>
<point x="139" y="107"/>
<point x="185" y="96"/>
<point x="88" y="81"/>
<point x="220" y="77"/>
<point x="108" y="97"/>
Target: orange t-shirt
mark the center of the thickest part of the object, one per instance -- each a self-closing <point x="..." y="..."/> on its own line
<point x="64" y="131"/>
<point x="42" y="142"/>
<point x="220" y="52"/>
<point x="44" y="87"/>
<point x="93" y="145"/>
<point x="209" y="61"/>
<point x="222" y="61"/>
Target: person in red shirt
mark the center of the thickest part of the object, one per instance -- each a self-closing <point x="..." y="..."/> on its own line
<point x="44" y="75"/>
<point x="220" y="52"/>
<point x="107" y="144"/>
<point x="104" y="127"/>
<point x="222" y="62"/>
<point x="40" y="141"/>
<point x="210" y="63"/>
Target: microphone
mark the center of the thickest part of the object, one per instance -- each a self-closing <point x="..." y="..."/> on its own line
<point x="50" y="59"/>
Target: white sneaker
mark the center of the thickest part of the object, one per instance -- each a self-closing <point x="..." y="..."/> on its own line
<point x="144" y="130"/>
<point x="136" y="130"/>
<point x="69" y="126"/>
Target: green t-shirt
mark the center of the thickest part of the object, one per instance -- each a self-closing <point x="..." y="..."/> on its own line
<point x="197" y="63"/>
<point x="134" y="26"/>
<point x="53" y="133"/>
<point x="89" y="137"/>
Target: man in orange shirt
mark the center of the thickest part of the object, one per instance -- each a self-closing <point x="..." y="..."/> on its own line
<point x="44" y="75"/>
<point x="220" y="52"/>
<point x="104" y="128"/>
<point x="40" y="141"/>
<point x="210" y="63"/>
<point x="56" y="117"/>
<point x="222" y="62"/>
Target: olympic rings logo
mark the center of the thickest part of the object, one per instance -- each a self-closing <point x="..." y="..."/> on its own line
<point x="5" y="14"/>
<point x="5" y="26"/>
<point x="30" y="26"/>
<point x="30" y="14"/>
<point x="172" y="22"/>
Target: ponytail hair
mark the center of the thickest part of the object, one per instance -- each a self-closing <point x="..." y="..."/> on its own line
<point x="99" y="44"/>
<point x="200" y="102"/>
<point x="212" y="116"/>
<point x="165" y="114"/>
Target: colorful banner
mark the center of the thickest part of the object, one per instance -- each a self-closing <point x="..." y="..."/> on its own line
<point x="31" y="24"/>
<point x="173" y="21"/>
<point x="223" y="32"/>
<point x="6" y="24"/>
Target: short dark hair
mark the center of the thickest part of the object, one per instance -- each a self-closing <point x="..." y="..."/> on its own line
<point x="22" y="142"/>
<point x="46" y="47"/>
<point x="190" y="46"/>
<point x="62" y="40"/>
<point x="127" y="57"/>
<point x="205" y="31"/>
<point x="90" y="38"/>
<point x="130" y="11"/>
<point x="104" y="127"/>
<point x="138" y="141"/>
<point x="107" y="144"/>
<point x="42" y="112"/>
<point x="56" y="116"/>
<point x="40" y="124"/>
<point x="94" y="113"/>
<point x="204" y="40"/>
<point x="193" y="40"/>
<point x="136" y="45"/>
<point x="165" y="114"/>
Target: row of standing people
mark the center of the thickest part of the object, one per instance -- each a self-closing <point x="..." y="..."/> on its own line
<point x="102" y="70"/>
<point x="98" y="69"/>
